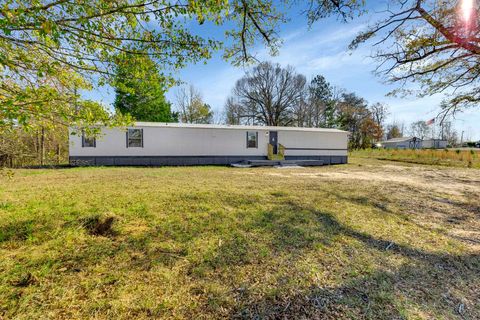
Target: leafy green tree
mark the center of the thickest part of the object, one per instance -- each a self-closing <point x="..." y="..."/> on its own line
<point x="204" y="114"/>
<point x="352" y="113"/>
<point x="321" y="103"/>
<point x="140" y="90"/>
<point x="50" y="50"/>
<point x="175" y="116"/>
<point x="44" y="145"/>
<point x="393" y="131"/>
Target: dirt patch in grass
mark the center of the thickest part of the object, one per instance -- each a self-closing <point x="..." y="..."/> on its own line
<point x="24" y="280"/>
<point x="98" y="225"/>
<point x="451" y="181"/>
<point x="449" y="197"/>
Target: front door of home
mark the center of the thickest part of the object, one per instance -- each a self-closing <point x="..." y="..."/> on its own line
<point x="274" y="141"/>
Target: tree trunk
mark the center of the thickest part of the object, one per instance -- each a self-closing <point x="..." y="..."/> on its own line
<point x="37" y="143"/>
<point x="42" y="147"/>
<point x="58" y="154"/>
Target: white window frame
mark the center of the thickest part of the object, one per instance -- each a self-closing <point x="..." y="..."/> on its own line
<point x="256" y="139"/>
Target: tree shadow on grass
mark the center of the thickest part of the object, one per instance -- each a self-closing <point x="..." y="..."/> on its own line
<point x="453" y="212"/>
<point x="16" y="230"/>
<point x="286" y="231"/>
<point x="438" y="284"/>
<point x="366" y="200"/>
<point x="442" y="284"/>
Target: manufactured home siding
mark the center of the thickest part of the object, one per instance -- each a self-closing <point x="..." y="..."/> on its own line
<point x="189" y="144"/>
<point x="301" y="143"/>
<point x="173" y="142"/>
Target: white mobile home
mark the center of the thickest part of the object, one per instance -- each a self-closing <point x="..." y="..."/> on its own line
<point x="402" y="143"/>
<point x="434" y="144"/>
<point x="158" y="144"/>
<point x="414" y="143"/>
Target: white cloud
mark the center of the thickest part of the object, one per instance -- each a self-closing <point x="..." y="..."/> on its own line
<point x="337" y="61"/>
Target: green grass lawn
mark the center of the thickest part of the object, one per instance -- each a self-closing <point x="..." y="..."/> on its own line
<point x="469" y="158"/>
<point x="349" y="241"/>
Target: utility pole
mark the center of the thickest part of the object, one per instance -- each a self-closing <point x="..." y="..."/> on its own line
<point x="461" y="139"/>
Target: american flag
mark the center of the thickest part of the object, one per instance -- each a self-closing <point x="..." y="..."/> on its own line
<point x="429" y="122"/>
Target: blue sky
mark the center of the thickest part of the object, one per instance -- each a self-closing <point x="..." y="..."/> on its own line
<point x="321" y="49"/>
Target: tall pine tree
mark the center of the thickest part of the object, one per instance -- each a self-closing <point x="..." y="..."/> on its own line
<point x="322" y="106"/>
<point x="140" y="90"/>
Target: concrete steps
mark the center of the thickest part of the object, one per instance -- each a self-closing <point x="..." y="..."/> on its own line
<point x="273" y="163"/>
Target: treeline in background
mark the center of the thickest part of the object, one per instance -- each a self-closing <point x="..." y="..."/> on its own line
<point x="267" y="95"/>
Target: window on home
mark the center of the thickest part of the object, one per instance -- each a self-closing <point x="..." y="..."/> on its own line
<point x="135" y="138"/>
<point x="252" y="139"/>
<point x="88" y="142"/>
